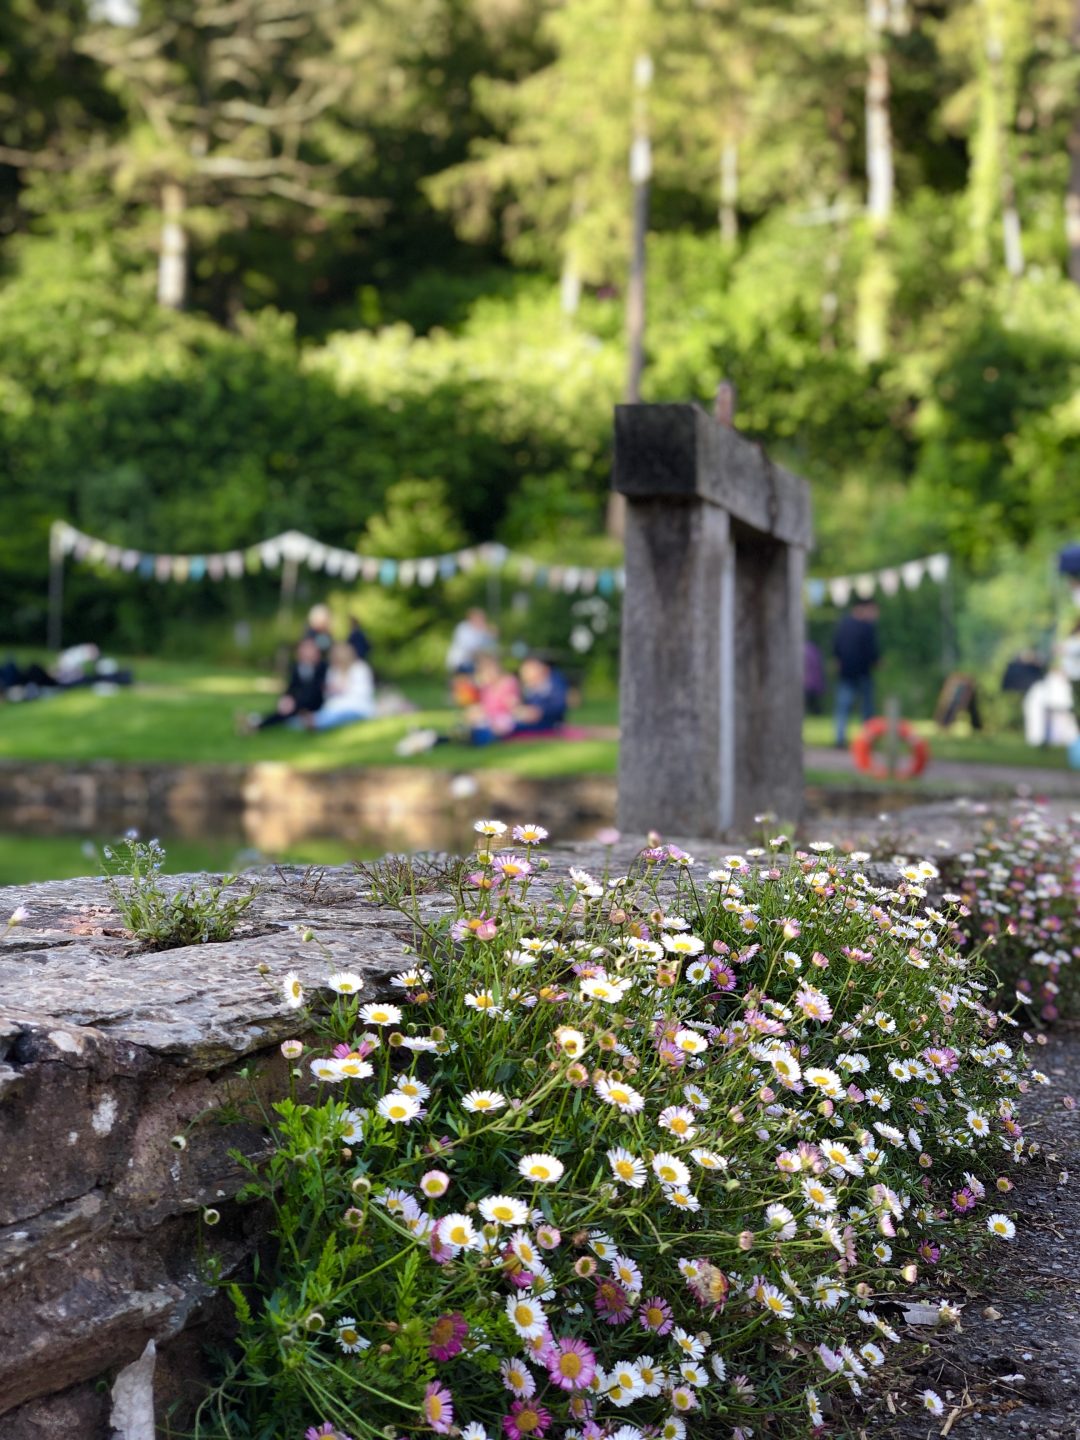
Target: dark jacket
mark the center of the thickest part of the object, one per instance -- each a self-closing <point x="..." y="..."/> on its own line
<point x="551" y="701"/>
<point x="855" y="645"/>
<point x="307" y="684"/>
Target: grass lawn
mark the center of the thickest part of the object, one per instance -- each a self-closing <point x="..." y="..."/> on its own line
<point x="26" y="859"/>
<point x="181" y="712"/>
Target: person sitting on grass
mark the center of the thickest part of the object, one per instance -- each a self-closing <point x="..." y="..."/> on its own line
<point x="303" y="694"/>
<point x="349" y="692"/>
<point x="493" y="716"/>
<point x="544" y="698"/>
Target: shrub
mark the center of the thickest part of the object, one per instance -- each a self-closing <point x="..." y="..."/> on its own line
<point x="1022" y="884"/>
<point x="626" y="1155"/>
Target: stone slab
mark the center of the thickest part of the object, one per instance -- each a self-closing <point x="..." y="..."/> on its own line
<point x="678" y="452"/>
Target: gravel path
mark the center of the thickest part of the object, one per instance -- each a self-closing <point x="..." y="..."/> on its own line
<point x="973" y="775"/>
<point x="1011" y="1369"/>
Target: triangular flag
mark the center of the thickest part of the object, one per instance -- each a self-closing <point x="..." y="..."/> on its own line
<point x="889" y="581"/>
<point x="912" y="574"/>
<point x="427" y="570"/>
<point x="350" y="567"/>
<point x="864" y="586"/>
<point x="938" y="566"/>
<point x="840" y="590"/>
<point x="815" y="592"/>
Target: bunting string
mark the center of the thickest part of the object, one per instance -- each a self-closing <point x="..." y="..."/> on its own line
<point x="296" y="548"/>
<point x="840" y="589"/>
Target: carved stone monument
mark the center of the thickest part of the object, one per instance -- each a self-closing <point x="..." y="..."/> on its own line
<point x="712" y="643"/>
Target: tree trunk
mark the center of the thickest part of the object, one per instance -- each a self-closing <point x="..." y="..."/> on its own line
<point x="876" y="284"/>
<point x="879" y="148"/>
<point x="729" y="193"/>
<point x="1002" y="108"/>
<point x="1072" y="193"/>
<point x="172" y="258"/>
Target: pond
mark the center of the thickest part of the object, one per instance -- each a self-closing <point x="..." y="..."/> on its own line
<point x="55" y="819"/>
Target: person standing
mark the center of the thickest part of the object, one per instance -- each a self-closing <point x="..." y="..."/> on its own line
<point x="855" y="645"/>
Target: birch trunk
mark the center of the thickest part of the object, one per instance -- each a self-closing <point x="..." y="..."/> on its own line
<point x="729" y="192"/>
<point x="1072" y="193"/>
<point x="876" y="283"/>
<point x="172" y="258"/>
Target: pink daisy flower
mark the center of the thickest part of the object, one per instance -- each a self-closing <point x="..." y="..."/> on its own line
<point x="655" y="1315"/>
<point x="526" y="1419"/>
<point x="571" y="1364"/>
<point x="612" y="1302"/>
<point x="438" y="1408"/>
<point x="447" y="1336"/>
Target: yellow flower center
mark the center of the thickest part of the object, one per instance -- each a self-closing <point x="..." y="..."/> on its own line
<point x="570" y="1365"/>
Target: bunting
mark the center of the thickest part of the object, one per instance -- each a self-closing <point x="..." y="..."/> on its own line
<point x="841" y="589"/>
<point x="294" y="548"/>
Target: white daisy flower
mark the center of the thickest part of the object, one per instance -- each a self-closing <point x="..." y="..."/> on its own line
<point x="679" y="1120"/>
<point x="626" y="1167"/>
<point x="397" y="1108"/>
<point x="457" y="1232"/>
<point x="490" y="827"/>
<point x="598" y="987"/>
<point x="526" y="1315"/>
<point x="478" y="1102"/>
<point x="669" y="1169"/>
<point x="348" y="1337"/>
<point x="681" y="1199"/>
<point x="504" y="1210"/>
<point x="624" y="1097"/>
<point x="380" y="1014"/>
<point x="344" y="982"/>
<point x="541" y="1169"/>
<point x="690" y="1042"/>
<point x="293" y="990"/>
<point x="707" y="1159"/>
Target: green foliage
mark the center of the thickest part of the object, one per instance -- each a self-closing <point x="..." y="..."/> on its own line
<point x="562" y="1125"/>
<point x="162" y="921"/>
<point x="345" y="340"/>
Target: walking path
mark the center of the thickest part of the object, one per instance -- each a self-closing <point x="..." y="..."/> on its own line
<point x="1011" y="1368"/>
<point x="973" y="775"/>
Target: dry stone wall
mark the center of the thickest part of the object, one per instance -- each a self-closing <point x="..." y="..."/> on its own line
<point x="107" y="1053"/>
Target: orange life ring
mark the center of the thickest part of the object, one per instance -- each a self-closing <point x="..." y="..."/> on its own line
<point x="862" y="751"/>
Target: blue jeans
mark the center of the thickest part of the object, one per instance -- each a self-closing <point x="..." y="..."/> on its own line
<point x="847" y="693"/>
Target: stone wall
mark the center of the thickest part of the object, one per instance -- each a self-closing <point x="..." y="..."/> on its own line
<point x="108" y="1053"/>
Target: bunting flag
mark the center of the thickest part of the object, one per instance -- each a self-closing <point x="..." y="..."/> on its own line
<point x="841" y="588"/>
<point x="295" y="548"/>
